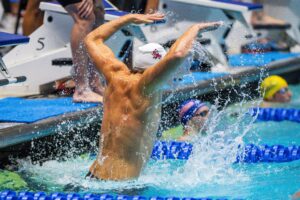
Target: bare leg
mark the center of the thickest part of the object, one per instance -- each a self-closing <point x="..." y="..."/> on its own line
<point x="152" y="6"/>
<point x="33" y="17"/>
<point x="99" y="14"/>
<point x="95" y="80"/>
<point x="261" y="18"/>
<point x="81" y="28"/>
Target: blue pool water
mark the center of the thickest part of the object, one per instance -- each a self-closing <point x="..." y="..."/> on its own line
<point x="209" y="172"/>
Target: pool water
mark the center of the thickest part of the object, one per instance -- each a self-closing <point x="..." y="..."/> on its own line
<point x="285" y="132"/>
<point x="209" y="172"/>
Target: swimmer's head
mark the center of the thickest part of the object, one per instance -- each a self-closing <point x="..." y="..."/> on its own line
<point x="275" y="89"/>
<point x="193" y="113"/>
<point x="148" y="55"/>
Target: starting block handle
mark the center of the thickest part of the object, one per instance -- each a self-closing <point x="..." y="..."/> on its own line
<point x="18" y="79"/>
<point x="163" y="21"/>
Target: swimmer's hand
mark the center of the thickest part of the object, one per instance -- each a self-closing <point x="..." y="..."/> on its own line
<point x="146" y="19"/>
<point x="86" y="8"/>
<point x="210" y="26"/>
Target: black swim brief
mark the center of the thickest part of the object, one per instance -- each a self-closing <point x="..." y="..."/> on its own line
<point x="64" y="3"/>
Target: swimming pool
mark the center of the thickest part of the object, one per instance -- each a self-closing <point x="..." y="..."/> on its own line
<point x="208" y="173"/>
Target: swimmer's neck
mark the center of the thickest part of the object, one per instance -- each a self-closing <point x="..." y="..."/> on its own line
<point x="190" y="130"/>
<point x="268" y="104"/>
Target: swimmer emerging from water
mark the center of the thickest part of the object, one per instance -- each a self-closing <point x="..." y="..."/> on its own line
<point x="193" y="115"/>
<point x="132" y="99"/>
<point x="274" y="89"/>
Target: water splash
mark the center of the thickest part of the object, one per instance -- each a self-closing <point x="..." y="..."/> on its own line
<point x="211" y="162"/>
<point x="212" y="158"/>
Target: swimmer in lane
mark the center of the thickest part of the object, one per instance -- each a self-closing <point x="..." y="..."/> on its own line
<point x="274" y="89"/>
<point x="193" y="115"/>
<point x="132" y="99"/>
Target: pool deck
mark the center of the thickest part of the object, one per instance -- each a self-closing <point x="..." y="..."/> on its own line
<point x="16" y="133"/>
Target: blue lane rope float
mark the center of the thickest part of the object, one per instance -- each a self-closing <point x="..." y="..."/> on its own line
<point x="171" y="150"/>
<point x="265" y="153"/>
<point x="276" y="114"/>
<point x="12" y="195"/>
<point x="250" y="154"/>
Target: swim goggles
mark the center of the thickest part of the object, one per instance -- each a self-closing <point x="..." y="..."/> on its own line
<point x="283" y="90"/>
<point x="201" y="114"/>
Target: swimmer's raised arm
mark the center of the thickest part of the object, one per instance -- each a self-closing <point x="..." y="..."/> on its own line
<point x="155" y="76"/>
<point x="100" y="53"/>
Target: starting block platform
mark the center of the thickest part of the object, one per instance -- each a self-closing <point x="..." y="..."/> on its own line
<point x="7" y="39"/>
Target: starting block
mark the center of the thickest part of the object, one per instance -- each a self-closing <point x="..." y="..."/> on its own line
<point x="184" y="13"/>
<point x="7" y="39"/>
<point x="47" y="57"/>
<point x="288" y="11"/>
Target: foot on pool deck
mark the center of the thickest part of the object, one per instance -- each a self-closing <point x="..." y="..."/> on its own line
<point x="87" y="96"/>
<point x="263" y="19"/>
<point x="99" y="90"/>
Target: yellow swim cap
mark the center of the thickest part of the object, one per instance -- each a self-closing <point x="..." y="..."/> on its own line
<point x="271" y="85"/>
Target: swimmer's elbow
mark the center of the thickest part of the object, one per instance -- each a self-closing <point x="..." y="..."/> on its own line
<point x="88" y="40"/>
<point x="91" y="38"/>
<point x="178" y="54"/>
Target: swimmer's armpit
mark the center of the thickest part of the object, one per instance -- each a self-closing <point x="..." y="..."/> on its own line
<point x="90" y="176"/>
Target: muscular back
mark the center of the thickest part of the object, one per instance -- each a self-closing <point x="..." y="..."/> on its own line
<point x="128" y="130"/>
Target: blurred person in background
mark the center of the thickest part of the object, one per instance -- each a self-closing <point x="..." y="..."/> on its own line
<point x="87" y="14"/>
<point x="137" y="6"/>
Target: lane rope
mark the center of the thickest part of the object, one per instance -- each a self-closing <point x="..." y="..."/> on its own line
<point x="249" y="154"/>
